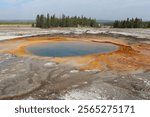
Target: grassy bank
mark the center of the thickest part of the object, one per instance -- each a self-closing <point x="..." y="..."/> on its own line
<point x="15" y="23"/>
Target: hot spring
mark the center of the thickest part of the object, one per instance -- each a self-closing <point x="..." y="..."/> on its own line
<point x="70" y="48"/>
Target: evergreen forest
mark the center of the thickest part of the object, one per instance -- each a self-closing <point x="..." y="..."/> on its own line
<point x="131" y="23"/>
<point x="63" y="21"/>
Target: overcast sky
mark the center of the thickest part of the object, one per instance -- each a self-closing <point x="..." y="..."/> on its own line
<point x="99" y="9"/>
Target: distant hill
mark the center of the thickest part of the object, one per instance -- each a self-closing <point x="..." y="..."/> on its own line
<point x="105" y="22"/>
<point x="16" y="21"/>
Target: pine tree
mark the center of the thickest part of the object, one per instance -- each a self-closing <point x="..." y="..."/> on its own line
<point x="38" y="21"/>
<point x="148" y="25"/>
<point x="48" y="21"/>
<point x="42" y="21"/>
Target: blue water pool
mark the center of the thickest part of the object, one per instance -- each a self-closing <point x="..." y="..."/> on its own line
<point x="65" y="49"/>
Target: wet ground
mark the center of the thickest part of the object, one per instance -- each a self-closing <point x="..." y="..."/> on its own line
<point x="26" y="77"/>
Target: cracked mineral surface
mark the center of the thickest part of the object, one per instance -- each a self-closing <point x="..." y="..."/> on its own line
<point x="123" y="74"/>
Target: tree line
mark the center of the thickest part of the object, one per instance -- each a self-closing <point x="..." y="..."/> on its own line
<point x="131" y="23"/>
<point x="63" y="21"/>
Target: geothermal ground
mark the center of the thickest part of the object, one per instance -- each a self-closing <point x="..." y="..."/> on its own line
<point x="122" y="74"/>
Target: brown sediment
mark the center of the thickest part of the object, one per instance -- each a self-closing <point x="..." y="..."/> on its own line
<point x="126" y="58"/>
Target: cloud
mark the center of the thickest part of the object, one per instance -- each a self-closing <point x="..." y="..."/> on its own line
<point x="100" y="9"/>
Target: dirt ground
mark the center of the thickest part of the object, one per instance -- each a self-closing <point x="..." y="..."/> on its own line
<point x="123" y="74"/>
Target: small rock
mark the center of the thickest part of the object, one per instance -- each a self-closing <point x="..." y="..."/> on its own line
<point x="115" y="80"/>
<point x="30" y="98"/>
<point x="85" y="82"/>
<point x="50" y="64"/>
<point x="74" y="71"/>
<point x="65" y="76"/>
<point x="75" y="86"/>
<point x="53" y="94"/>
<point x="147" y="83"/>
<point x="95" y="91"/>
<point x="140" y="78"/>
<point x="93" y="70"/>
